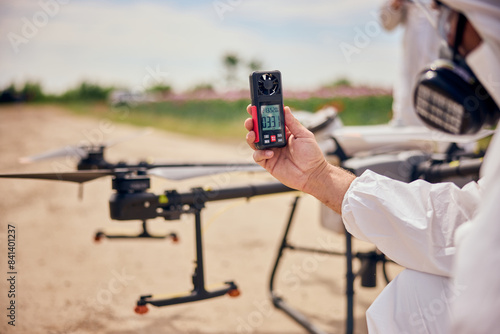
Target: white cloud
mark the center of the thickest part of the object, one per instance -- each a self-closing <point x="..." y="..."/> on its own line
<point x="319" y="11"/>
<point x="114" y="43"/>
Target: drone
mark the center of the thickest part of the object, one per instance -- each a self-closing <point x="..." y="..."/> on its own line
<point x="131" y="200"/>
<point x="417" y="151"/>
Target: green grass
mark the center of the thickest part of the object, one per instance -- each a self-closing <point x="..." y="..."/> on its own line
<point x="219" y="119"/>
<point x="365" y="110"/>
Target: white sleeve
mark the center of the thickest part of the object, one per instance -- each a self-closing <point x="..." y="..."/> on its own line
<point x="477" y="263"/>
<point x="411" y="223"/>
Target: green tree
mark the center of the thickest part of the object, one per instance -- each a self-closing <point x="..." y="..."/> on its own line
<point x="340" y="82"/>
<point x="207" y="87"/>
<point x="231" y="62"/>
<point x="87" y="91"/>
<point x="9" y="94"/>
<point x="162" y="89"/>
<point x="32" y="91"/>
<point x="255" y="65"/>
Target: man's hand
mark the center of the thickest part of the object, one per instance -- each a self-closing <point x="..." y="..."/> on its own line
<point x="301" y="164"/>
<point x="293" y="164"/>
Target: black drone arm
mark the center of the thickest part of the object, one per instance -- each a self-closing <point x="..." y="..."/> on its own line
<point x="145" y="205"/>
<point x="437" y="172"/>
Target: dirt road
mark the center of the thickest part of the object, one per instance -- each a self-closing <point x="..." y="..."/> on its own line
<point x="66" y="283"/>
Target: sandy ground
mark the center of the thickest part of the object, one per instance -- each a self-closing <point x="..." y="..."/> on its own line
<point x="66" y="283"/>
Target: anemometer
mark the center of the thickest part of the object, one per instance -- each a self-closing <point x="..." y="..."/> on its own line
<point x="267" y="109"/>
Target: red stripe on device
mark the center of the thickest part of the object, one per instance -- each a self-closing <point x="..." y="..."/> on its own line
<point x="255" y="124"/>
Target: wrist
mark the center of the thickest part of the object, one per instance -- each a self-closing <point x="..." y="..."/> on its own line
<point x="329" y="185"/>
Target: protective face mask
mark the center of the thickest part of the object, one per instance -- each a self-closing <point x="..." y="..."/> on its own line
<point x="450" y="98"/>
<point x="449" y="95"/>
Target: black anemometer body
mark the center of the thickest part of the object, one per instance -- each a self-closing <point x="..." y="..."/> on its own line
<point x="267" y="109"/>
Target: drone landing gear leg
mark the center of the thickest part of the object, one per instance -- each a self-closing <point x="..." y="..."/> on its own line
<point x="199" y="291"/>
<point x="349" y="291"/>
<point x="367" y="272"/>
<point x="143" y="235"/>
<point x="278" y="301"/>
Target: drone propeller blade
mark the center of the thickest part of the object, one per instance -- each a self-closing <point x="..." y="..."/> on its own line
<point x="79" y="151"/>
<point x="117" y="141"/>
<point x="71" y="151"/>
<point x="78" y="177"/>
<point x="187" y="172"/>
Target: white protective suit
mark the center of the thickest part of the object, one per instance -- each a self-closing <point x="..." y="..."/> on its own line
<point x="448" y="238"/>
<point x="420" y="46"/>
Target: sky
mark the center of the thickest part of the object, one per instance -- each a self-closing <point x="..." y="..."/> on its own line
<point x="137" y="44"/>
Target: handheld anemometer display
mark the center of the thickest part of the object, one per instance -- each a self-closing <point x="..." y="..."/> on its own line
<point x="267" y="109"/>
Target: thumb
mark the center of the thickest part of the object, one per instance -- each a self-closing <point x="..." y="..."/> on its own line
<point x="294" y="126"/>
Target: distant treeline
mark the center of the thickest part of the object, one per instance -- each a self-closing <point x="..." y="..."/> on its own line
<point x="33" y="92"/>
<point x="88" y="91"/>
